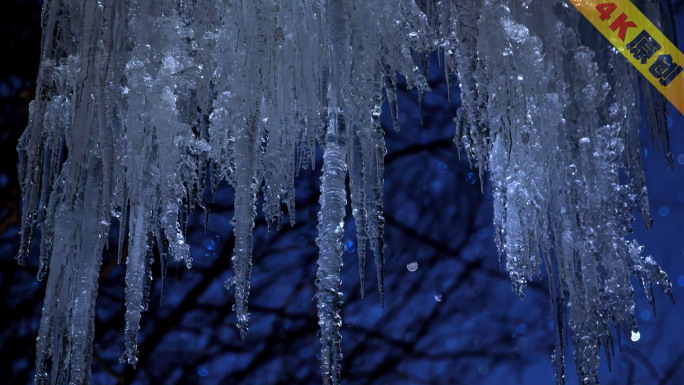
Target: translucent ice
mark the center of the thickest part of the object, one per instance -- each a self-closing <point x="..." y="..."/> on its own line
<point x="138" y="102"/>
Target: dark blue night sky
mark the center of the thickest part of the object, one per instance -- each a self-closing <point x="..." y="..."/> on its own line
<point x="450" y="316"/>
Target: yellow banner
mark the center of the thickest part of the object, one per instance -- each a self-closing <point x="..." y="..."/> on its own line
<point x="641" y="43"/>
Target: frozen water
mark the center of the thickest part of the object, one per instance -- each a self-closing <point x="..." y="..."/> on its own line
<point x="139" y="101"/>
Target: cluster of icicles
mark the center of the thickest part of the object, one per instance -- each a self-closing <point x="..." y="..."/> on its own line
<point x="143" y="105"/>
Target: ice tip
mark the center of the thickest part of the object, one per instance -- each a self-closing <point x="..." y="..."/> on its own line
<point x="672" y="298"/>
<point x="670" y="160"/>
<point x="242" y="323"/>
<point x="243" y="330"/>
<point x="130" y="357"/>
<point x="21" y="258"/>
<point x="42" y="270"/>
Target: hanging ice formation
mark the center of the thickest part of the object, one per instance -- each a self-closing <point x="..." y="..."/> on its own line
<point x="138" y="101"/>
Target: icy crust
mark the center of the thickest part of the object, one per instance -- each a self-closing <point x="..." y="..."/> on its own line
<point x="563" y="158"/>
<point x="141" y="106"/>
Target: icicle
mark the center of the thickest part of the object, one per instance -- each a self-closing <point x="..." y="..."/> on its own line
<point x="358" y="198"/>
<point x="95" y="227"/>
<point x="246" y="188"/>
<point x="330" y="231"/>
<point x="141" y="106"/>
<point x="123" y="224"/>
<point x="375" y="221"/>
<point x="135" y="276"/>
<point x="391" y="91"/>
<point x="526" y="117"/>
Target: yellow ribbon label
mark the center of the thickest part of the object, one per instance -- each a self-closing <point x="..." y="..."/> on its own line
<point x="641" y="43"/>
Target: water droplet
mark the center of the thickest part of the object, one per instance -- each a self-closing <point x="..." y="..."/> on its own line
<point x="349" y="246"/>
<point x="436" y="187"/>
<point x="202" y="371"/>
<point x="442" y="167"/>
<point x="645" y="153"/>
<point x="670" y="122"/>
<point x="645" y="315"/>
<point x="680" y="159"/>
<point x="635" y="336"/>
<point x="680" y="280"/>
<point x="663" y="211"/>
<point x="470" y="178"/>
<point x="413" y="266"/>
<point x="438" y="297"/>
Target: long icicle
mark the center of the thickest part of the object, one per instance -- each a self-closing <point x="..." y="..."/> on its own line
<point x="330" y="231"/>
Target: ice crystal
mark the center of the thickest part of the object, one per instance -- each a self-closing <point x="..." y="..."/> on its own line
<point x="143" y="105"/>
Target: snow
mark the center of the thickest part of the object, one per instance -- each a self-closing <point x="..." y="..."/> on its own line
<point x="141" y="107"/>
